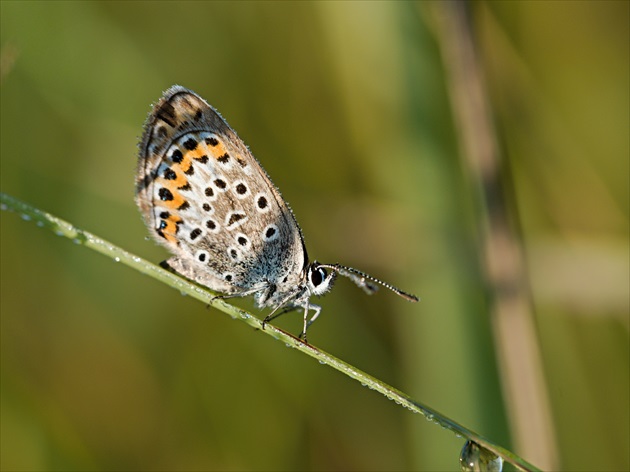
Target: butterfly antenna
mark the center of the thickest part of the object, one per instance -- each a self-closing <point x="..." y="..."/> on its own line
<point x="367" y="282"/>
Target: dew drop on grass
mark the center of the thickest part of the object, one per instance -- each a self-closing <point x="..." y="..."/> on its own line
<point x="476" y="458"/>
<point x="26" y="217"/>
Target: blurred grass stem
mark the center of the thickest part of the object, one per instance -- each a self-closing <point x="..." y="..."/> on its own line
<point x="515" y="337"/>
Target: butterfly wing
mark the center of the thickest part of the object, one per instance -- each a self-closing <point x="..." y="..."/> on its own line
<point x="206" y="198"/>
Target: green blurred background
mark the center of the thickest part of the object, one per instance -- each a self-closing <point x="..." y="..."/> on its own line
<point x="346" y="106"/>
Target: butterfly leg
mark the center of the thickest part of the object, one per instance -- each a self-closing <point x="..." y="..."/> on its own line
<point x="275" y="313"/>
<point x="240" y="294"/>
<point x="286" y="305"/>
<point x="307" y="322"/>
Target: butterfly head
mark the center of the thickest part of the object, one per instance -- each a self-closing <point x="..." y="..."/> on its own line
<point x="319" y="278"/>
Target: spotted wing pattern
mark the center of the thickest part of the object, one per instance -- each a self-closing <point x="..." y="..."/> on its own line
<point x="206" y="198"/>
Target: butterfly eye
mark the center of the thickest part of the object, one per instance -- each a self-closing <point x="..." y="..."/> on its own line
<point x="318" y="276"/>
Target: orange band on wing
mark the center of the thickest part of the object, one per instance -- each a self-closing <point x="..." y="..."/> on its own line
<point x="169" y="232"/>
<point x="186" y="162"/>
<point x="218" y="150"/>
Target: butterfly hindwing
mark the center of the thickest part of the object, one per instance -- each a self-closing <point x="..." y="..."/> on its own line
<point x="208" y="200"/>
